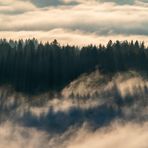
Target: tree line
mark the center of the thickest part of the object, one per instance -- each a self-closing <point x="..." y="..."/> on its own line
<point x="32" y="66"/>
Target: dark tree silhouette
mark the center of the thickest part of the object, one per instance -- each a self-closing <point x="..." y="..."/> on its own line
<point x="32" y="67"/>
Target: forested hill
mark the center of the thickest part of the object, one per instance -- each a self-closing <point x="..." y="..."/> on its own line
<point x="32" y="67"/>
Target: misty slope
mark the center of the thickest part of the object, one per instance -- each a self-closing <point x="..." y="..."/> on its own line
<point x="127" y="91"/>
<point x="123" y="93"/>
<point x="88" y="105"/>
<point x="91" y="84"/>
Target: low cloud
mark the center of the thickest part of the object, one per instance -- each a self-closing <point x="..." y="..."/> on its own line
<point x="70" y="37"/>
<point x="120" y="2"/>
<point x="15" y="7"/>
<point x="46" y="3"/>
<point x="129" y="135"/>
<point x="48" y="117"/>
<point x="52" y="3"/>
<point x="100" y="19"/>
<point x="119" y="135"/>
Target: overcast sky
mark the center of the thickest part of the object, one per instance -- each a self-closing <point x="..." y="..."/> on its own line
<point x="74" y="21"/>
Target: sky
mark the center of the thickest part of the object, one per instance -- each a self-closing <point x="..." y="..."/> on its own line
<point x="78" y="22"/>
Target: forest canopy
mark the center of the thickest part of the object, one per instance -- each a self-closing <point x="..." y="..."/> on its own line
<point x="30" y="66"/>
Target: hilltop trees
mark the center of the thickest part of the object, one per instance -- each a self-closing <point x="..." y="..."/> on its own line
<point x="32" y="67"/>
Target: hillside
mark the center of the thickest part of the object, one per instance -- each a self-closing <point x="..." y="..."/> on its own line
<point x="91" y="102"/>
<point x="119" y="91"/>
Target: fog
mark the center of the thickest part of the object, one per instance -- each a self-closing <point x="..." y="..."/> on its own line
<point x="93" y="111"/>
<point x="129" y="135"/>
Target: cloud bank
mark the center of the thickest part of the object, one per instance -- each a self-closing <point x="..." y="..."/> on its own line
<point x="39" y="122"/>
<point x="114" y="136"/>
<point x="91" y="20"/>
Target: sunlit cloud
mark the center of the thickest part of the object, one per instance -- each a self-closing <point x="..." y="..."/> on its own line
<point x="69" y="37"/>
<point x="96" y="18"/>
<point x="127" y="135"/>
<point x="113" y="137"/>
<point x="13" y="7"/>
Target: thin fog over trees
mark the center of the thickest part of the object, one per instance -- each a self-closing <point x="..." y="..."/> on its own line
<point x="31" y="66"/>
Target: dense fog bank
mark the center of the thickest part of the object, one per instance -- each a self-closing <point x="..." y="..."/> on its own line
<point x="94" y="110"/>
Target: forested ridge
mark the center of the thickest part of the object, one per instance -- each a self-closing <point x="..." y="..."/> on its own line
<point x="30" y="66"/>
